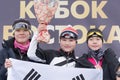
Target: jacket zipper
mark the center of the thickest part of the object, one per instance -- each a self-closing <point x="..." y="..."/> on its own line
<point x="21" y="56"/>
<point x="96" y="61"/>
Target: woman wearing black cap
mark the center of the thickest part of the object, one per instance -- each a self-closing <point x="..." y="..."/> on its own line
<point x="63" y="57"/>
<point x="17" y="46"/>
<point x="97" y="57"/>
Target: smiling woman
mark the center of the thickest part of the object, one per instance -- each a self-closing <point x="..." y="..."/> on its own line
<point x="17" y="46"/>
<point x="97" y="57"/>
<point x="65" y="56"/>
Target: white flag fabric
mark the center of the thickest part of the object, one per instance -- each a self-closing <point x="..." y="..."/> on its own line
<point x="23" y="70"/>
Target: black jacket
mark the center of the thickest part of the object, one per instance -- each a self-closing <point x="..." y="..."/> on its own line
<point x="110" y="64"/>
<point x="53" y="56"/>
<point x="8" y="51"/>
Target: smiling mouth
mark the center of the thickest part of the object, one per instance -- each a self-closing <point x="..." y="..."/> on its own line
<point x="94" y="46"/>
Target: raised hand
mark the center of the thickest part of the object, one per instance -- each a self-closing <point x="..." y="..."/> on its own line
<point x="43" y="35"/>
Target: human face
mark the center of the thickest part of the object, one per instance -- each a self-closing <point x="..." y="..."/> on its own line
<point x="95" y="43"/>
<point x="22" y="35"/>
<point x="67" y="45"/>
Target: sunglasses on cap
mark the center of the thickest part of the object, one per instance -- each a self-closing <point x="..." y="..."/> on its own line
<point x="92" y="33"/>
<point x="68" y="35"/>
<point x="21" y="25"/>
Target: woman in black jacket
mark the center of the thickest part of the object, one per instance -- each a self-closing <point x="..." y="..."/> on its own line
<point x="97" y="57"/>
<point x="65" y="56"/>
<point x="17" y="46"/>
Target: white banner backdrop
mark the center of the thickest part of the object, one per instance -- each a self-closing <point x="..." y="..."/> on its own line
<point x="22" y="70"/>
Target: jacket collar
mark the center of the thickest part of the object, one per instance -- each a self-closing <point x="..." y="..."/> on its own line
<point x="70" y="55"/>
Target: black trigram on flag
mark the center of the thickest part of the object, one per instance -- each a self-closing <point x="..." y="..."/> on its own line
<point x="80" y="77"/>
<point x="32" y="75"/>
